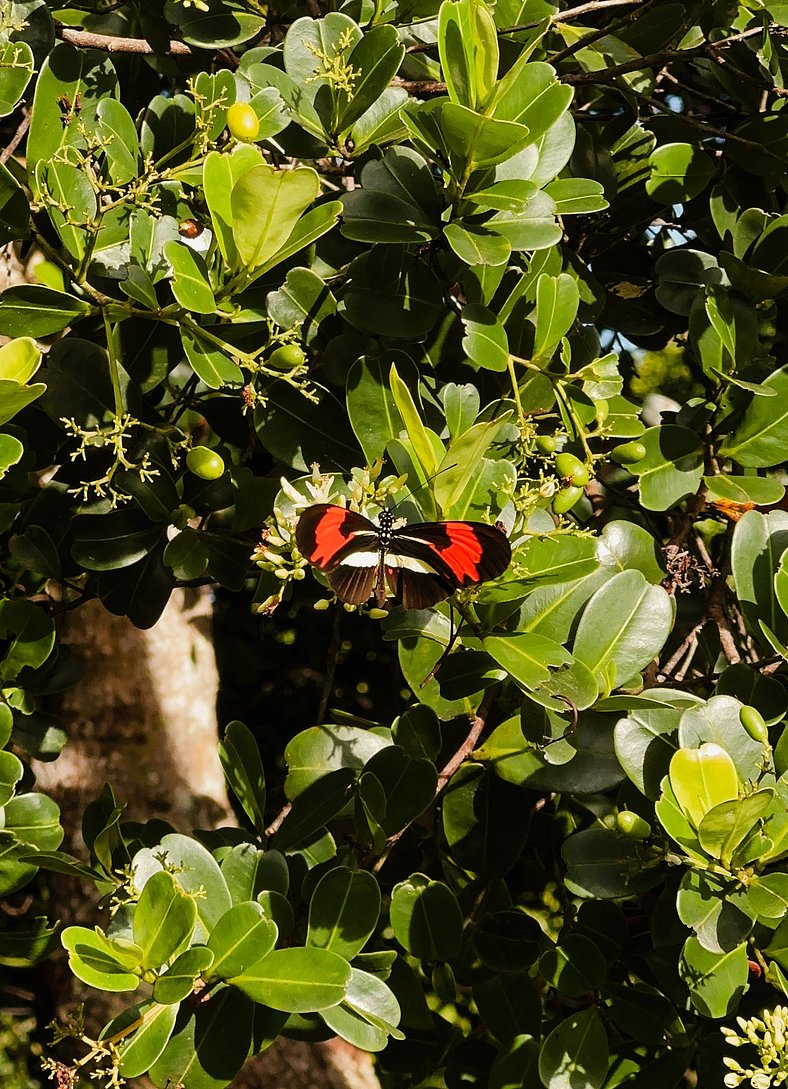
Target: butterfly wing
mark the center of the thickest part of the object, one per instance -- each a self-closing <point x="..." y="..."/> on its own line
<point x="344" y="545"/>
<point x="428" y="561"/>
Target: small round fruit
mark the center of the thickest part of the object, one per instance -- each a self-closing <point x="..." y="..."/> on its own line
<point x="752" y="721"/>
<point x="571" y="469"/>
<point x="546" y="444"/>
<point x="242" y="121"/>
<point x="288" y="357"/>
<point x="632" y="825"/>
<point x="205" y="463"/>
<point x="628" y="453"/>
<point x="565" y="498"/>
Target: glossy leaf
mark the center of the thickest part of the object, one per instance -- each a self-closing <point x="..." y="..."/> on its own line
<point x="426" y="918"/>
<point x="296" y="980"/>
<point x="343" y="911"/>
<point x="241" y="937"/>
<point x="243" y="770"/>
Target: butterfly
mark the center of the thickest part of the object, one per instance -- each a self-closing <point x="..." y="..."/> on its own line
<point x="421" y="563"/>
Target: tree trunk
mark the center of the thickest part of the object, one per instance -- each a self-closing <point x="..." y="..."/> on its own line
<point x="143" y="719"/>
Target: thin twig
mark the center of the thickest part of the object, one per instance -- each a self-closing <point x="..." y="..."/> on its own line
<point x="331" y="666"/>
<point x="280" y="816"/>
<point x="478" y="722"/>
<point x="658" y="60"/>
<point x="16" y="139"/>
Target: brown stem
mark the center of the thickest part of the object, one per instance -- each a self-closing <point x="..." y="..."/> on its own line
<point x="478" y="722"/>
<point x="331" y="666"/>
<point x="280" y="816"/>
<point x="16" y="139"/>
<point x="113" y="44"/>
<point x="658" y="60"/>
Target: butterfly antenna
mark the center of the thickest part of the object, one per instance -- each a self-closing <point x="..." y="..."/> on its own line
<point x="424" y="483"/>
<point x="453" y="632"/>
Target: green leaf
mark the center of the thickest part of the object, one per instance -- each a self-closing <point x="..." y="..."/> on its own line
<point x="575" y="1054"/>
<point x="266" y="204"/>
<point x="209" y="361"/>
<point x="92" y="957"/>
<point x="468" y="49"/>
<point x="140" y="1051"/>
<point x="29" y="636"/>
<point x="759" y="542"/>
<point x="574" y="967"/>
<point x="11" y="451"/>
<point x="647" y="738"/>
<point x="369" y="1014"/>
<point x="509" y="1004"/>
<point x="728" y="824"/>
<point x="11" y="771"/>
<point x="300" y="432"/>
<point x="19" y="360"/>
<point x="390" y="294"/>
<point x="243" y="769"/>
<point x="164" y="920"/>
<point x="461" y="466"/>
<point x="209" y="1043"/>
<point x="371" y="406"/>
<point x="679" y="172"/>
<point x="194" y="869"/>
<point x="220" y="174"/>
<point x="476" y="245"/>
<point x="403" y="787"/>
<point x="557" y="300"/>
<point x="241" y="938"/>
<point x="672" y="467"/>
<point x="528" y="658"/>
<point x="719" y="722"/>
<point x="485" y="341"/>
<point x="716" y="981"/>
<point x="14" y="209"/>
<point x="760" y="438"/>
<point x="186" y="555"/>
<point x="221" y="27"/>
<point x="70" y="85"/>
<point x="190" y="284"/>
<point x="178" y="981"/>
<point x="315" y="807"/>
<point x="604" y="865"/>
<point x="483" y="821"/>
<point x="531" y="95"/>
<point x="248" y="871"/>
<point x="297" y="980"/>
<point x="14" y="397"/>
<point x="577" y="196"/>
<point x="426" y="918"/>
<point x="702" y="779"/>
<point x="16" y="68"/>
<point x="303" y="301"/>
<point x="624" y="625"/>
<point x="319" y="750"/>
<point x="119" y="137"/>
<point x="343" y="911"/>
<point x="376" y="56"/>
<point x="417" y="432"/>
<point x="106" y="542"/>
<point x="30" y="310"/>
<point x="397" y="200"/>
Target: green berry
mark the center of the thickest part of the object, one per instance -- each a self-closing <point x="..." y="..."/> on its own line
<point x="288" y="357"/>
<point x="546" y="444"/>
<point x="571" y="469"/>
<point x="242" y="121"/>
<point x="628" y="453"/>
<point x="205" y="463"/>
<point x="752" y="721"/>
<point x="632" y="825"/>
<point x="565" y="498"/>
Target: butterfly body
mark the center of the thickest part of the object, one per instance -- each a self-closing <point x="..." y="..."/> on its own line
<point x="421" y="564"/>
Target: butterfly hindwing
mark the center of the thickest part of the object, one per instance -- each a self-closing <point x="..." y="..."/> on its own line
<point x="464" y="553"/>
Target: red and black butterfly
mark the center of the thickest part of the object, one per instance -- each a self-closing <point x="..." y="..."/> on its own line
<point x="421" y="563"/>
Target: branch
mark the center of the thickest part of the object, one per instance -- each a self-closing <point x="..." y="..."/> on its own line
<point x="118" y="45"/>
<point x="16" y="139"/>
<point x="478" y="722"/>
<point x="658" y="60"/>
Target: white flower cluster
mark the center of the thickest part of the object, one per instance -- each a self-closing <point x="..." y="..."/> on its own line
<point x="767" y="1034"/>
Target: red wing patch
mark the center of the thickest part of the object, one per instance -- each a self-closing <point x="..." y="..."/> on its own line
<point x="326" y="532"/>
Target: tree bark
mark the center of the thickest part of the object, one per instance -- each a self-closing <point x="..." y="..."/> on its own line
<point x="143" y="719"/>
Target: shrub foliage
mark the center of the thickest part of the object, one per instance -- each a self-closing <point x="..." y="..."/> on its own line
<point x="513" y="262"/>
